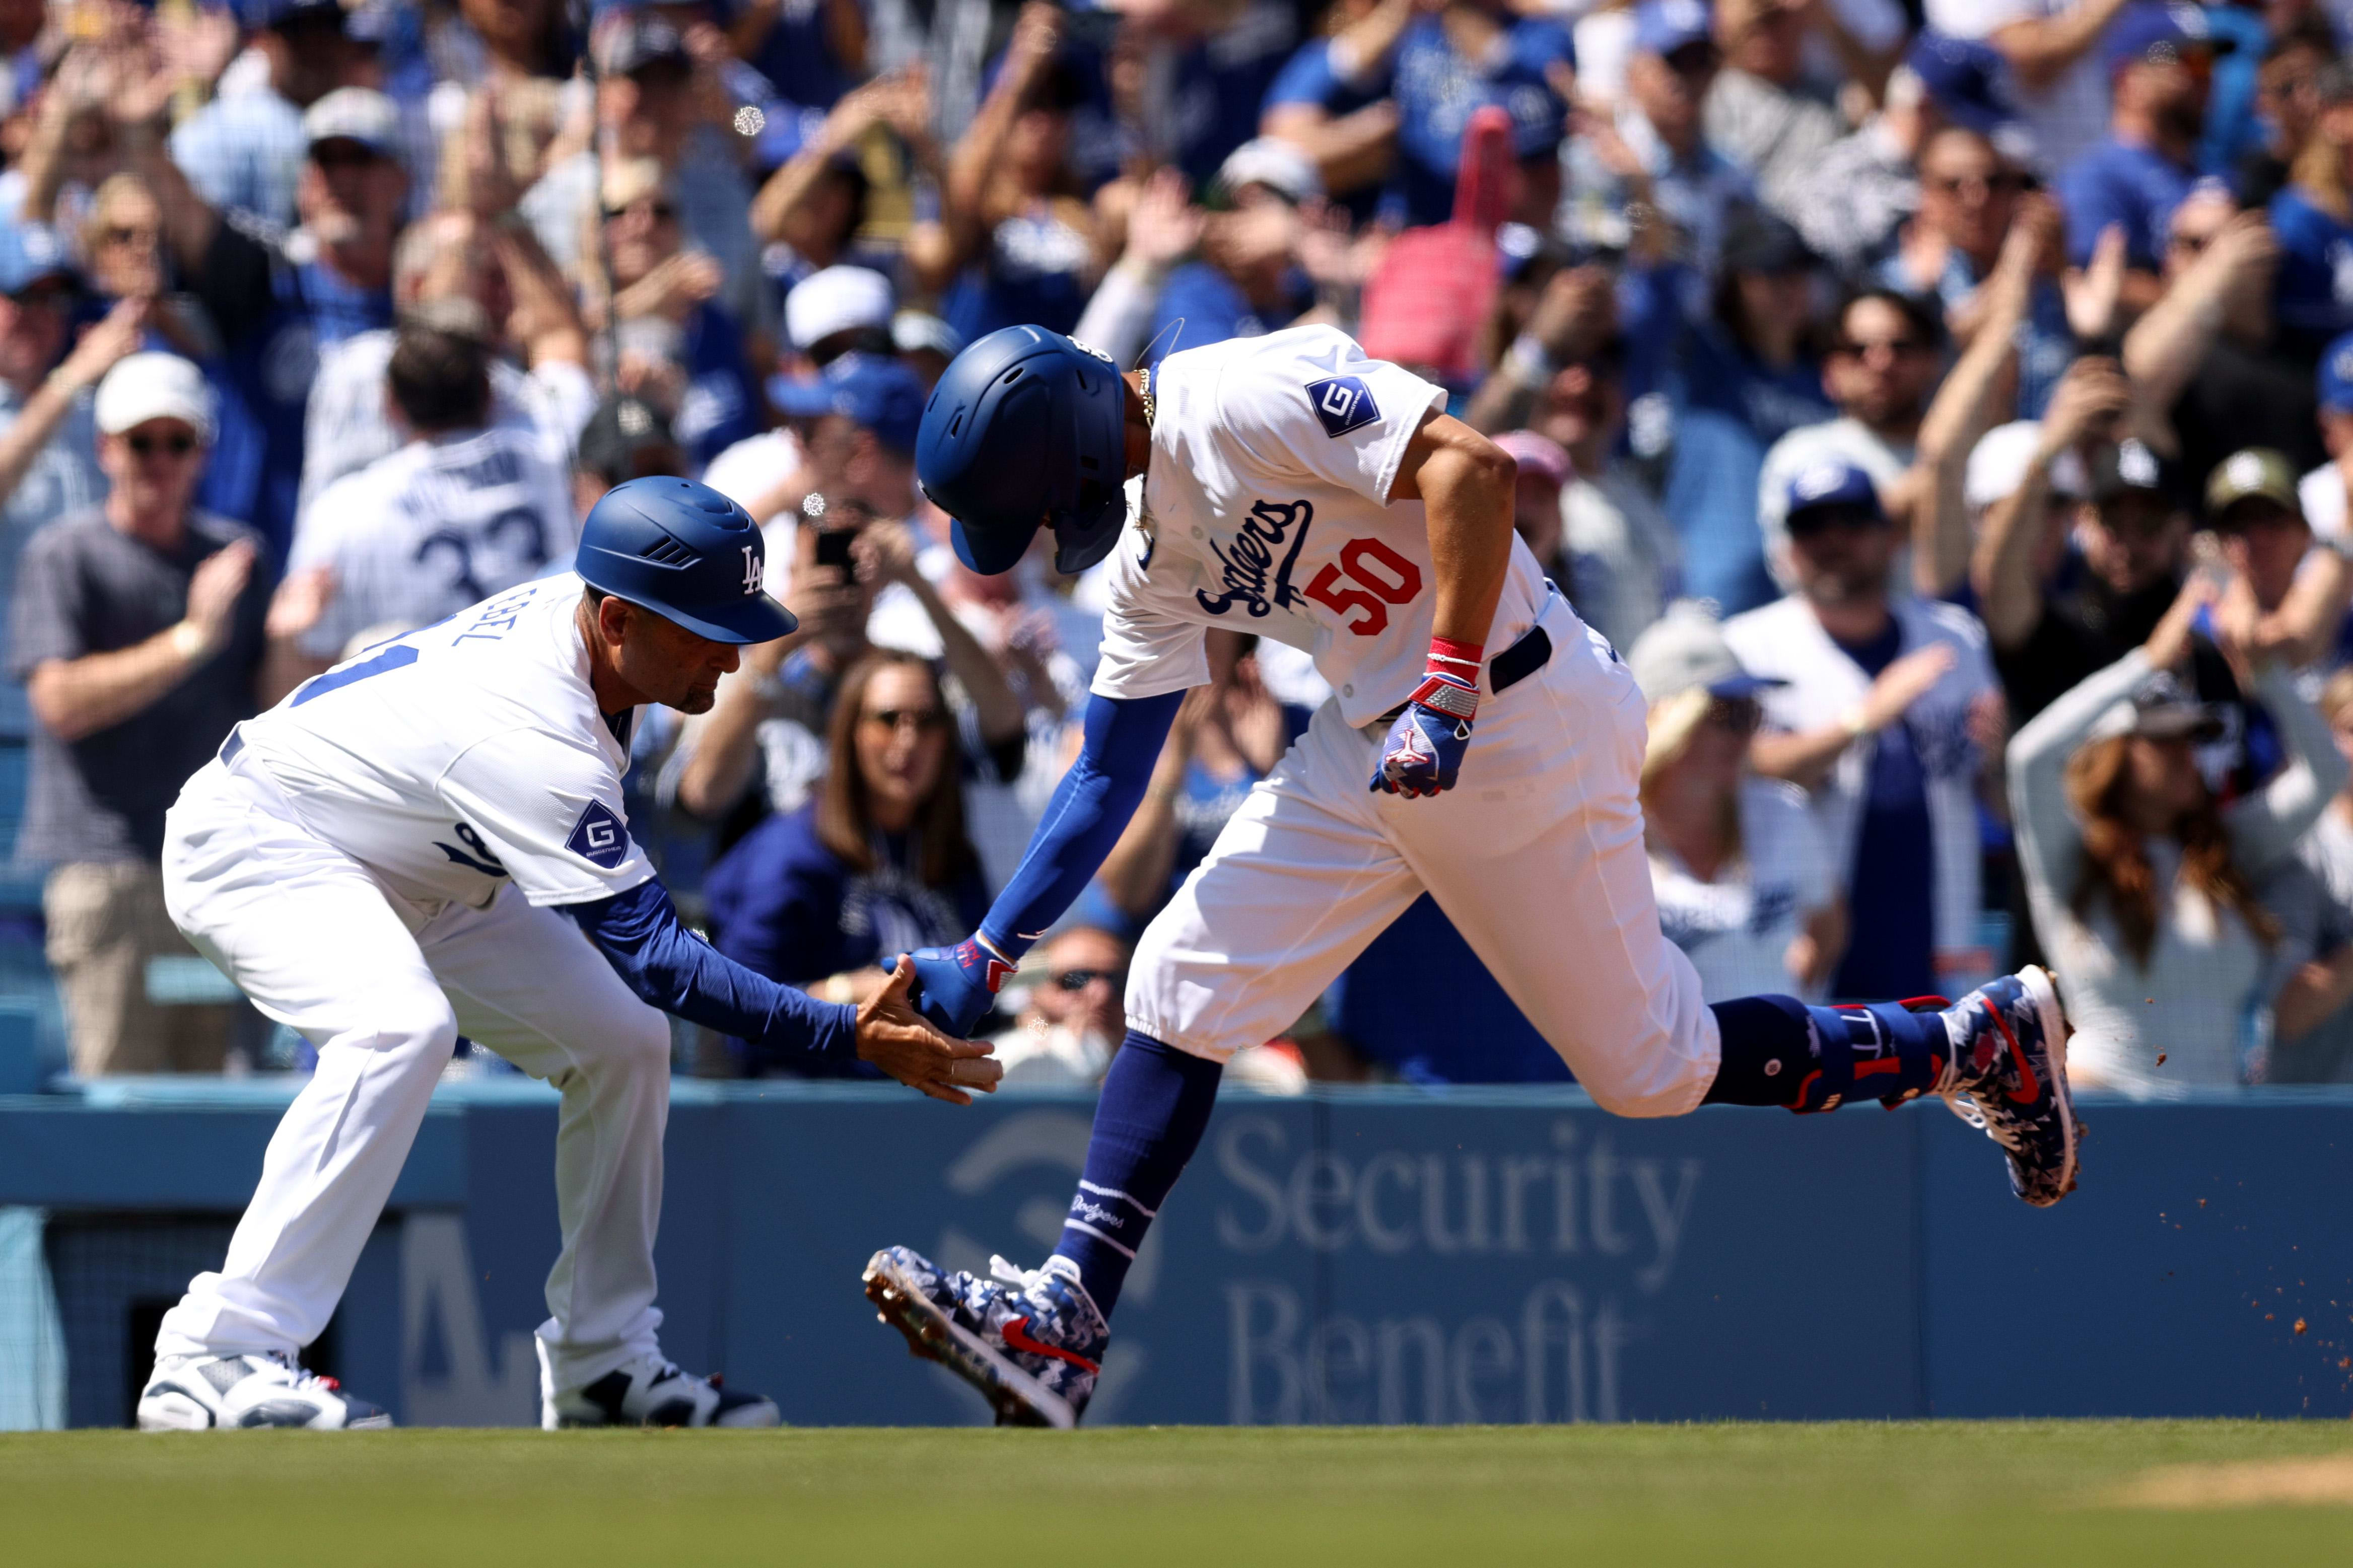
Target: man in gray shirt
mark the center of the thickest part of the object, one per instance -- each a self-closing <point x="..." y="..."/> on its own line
<point x="137" y="627"/>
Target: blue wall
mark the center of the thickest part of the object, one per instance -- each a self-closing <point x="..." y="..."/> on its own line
<point x="1367" y="1256"/>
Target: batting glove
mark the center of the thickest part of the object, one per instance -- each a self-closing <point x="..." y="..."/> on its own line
<point x="955" y="987"/>
<point x="1423" y="753"/>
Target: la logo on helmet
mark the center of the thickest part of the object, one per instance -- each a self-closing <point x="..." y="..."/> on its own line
<point x="751" y="572"/>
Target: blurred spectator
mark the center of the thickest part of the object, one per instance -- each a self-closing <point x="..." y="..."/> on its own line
<point x="840" y="310"/>
<point x="2144" y="884"/>
<point x="1885" y="698"/>
<point x="275" y="306"/>
<point x="1743" y="882"/>
<point x="811" y="209"/>
<point x="2052" y="48"/>
<point x="1248" y="281"/>
<point x="1849" y="201"/>
<point x="877" y="864"/>
<point x="1227" y="736"/>
<point x="1760" y="113"/>
<point x="1468" y="55"/>
<point x="244" y="150"/>
<point x="1163" y="228"/>
<point x="1072" y="1020"/>
<point x="137" y="627"/>
<point x="466" y="508"/>
<point x="926" y="345"/>
<point x="1016" y="241"/>
<point x="1331" y="99"/>
<point x="650" y="100"/>
<point x="2313" y="217"/>
<point x="2158" y="58"/>
<point x="2322" y="491"/>
<point x="2300" y="594"/>
<point x="627" y="439"/>
<point x="811" y="52"/>
<point x="2287" y="98"/>
<point x="695" y="359"/>
<point x="49" y="441"/>
<point x="1545" y="472"/>
<point x="2315" y="1033"/>
<point x="2078" y="559"/>
<point x="1652" y="156"/>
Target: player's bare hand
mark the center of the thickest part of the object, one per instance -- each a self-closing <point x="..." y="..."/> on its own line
<point x="1903" y="683"/>
<point x="214" y="589"/>
<point x="893" y="1038"/>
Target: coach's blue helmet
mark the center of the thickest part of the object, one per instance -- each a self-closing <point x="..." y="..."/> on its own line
<point x="1027" y="427"/>
<point x="686" y="553"/>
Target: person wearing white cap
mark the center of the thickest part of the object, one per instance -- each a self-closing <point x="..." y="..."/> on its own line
<point x="1743" y="881"/>
<point x="832" y="312"/>
<point x="137" y="629"/>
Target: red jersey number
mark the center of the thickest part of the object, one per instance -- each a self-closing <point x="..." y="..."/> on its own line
<point x="1369" y="577"/>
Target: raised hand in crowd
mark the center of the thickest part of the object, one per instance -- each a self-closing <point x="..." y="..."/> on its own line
<point x="2225" y="288"/>
<point x="2007" y="566"/>
<point x="102" y="345"/>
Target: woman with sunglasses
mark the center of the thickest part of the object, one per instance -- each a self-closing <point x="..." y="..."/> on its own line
<point x="1742" y="877"/>
<point x="877" y="864"/>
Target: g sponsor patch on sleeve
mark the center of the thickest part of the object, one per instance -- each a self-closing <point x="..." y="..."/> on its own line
<point x="598" y="837"/>
<point x="1342" y="404"/>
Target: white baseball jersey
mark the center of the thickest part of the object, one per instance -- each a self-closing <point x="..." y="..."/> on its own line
<point x="346" y="424"/>
<point x="1736" y="929"/>
<point x="462" y="756"/>
<point x="441" y="523"/>
<point x="1266" y="510"/>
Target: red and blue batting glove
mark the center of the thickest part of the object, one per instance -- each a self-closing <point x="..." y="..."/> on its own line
<point x="1423" y="753"/>
<point x="955" y="987"/>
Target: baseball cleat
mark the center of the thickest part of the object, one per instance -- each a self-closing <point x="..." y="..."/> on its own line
<point x="653" y="1393"/>
<point x="1030" y="1340"/>
<point x="2009" y="1075"/>
<point x="231" y="1392"/>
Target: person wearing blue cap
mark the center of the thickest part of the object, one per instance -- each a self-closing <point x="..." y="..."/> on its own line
<point x="1875" y="721"/>
<point x="243" y="152"/>
<point x="2050" y="49"/>
<point x="2160" y="58"/>
<point x="1659" y="126"/>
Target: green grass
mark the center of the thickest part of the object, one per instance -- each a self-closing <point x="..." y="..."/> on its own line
<point x="2042" y="1494"/>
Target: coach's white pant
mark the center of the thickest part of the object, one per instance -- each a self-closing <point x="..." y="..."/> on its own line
<point x="1537" y="856"/>
<point x="383" y="989"/>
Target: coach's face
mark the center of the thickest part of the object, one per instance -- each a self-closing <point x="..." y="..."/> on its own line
<point x="661" y="660"/>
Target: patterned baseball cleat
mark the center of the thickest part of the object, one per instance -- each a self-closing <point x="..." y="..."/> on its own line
<point x="2009" y="1075"/>
<point x="1030" y="1340"/>
<point x="232" y="1392"/>
<point x="653" y="1393"/>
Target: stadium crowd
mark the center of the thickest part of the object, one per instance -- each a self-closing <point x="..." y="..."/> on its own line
<point x="1946" y="405"/>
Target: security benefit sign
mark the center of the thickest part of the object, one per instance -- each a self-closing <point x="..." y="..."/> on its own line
<point x="1378" y="1261"/>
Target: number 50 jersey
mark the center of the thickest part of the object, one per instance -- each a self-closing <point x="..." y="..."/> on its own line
<point x="1266" y="510"/>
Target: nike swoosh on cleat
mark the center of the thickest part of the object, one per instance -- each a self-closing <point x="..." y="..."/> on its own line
<point x="1017" y="1337"/>
<point x="2033" y="1090"/>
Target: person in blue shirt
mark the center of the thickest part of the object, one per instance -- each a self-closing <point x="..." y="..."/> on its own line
<point x="1471" y="53"/>
<point x="277" y="304"/>
<point x="243" y="152"/>
<point x="1248" y="281"/>
<point x="811" y="53"/>
<point x="1218" y="83"/>
<point x="2312" y="216"/>
<point x="658" y="281"/>
<point x="2135" y="177"/>
<point x="1331" y="100"/>
<point x="1014" y="242"/>
<point x="877" y="864"/>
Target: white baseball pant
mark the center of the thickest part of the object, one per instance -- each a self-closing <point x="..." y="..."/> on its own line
<point x="383" y="989"/>
<point x="1537" y="856"/>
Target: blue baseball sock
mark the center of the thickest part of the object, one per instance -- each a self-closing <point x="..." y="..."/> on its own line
<point x="1155" y="1105"/>
<point x="1779" y="1051"/>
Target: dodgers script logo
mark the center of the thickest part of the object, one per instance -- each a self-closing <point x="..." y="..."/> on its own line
<point x="1269" y="528"/>
<point x="1342" y="404"/>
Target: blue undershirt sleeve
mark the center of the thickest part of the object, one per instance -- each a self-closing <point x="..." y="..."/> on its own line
<point x="1089" y="812"/>
<point x="671" y="968"/>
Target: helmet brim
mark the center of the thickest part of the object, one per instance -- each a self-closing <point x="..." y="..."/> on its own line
<point x="753" y="620"/>
<point x="993" y="551"/>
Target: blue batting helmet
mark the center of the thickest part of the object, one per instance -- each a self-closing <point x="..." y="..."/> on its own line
<point x="686" y="553"/>
<point x="1027" y="427"/>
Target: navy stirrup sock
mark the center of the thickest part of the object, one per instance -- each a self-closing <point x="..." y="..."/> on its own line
<point x="1779" y="1051"/>
<point x="1155" y="1105"/>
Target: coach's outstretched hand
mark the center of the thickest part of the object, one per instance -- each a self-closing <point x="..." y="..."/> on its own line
<point x="910" y="1049"/>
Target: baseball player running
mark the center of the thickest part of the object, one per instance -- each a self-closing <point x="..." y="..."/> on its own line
<point x="1291" y="486"/>
<point x="413" y="846"/>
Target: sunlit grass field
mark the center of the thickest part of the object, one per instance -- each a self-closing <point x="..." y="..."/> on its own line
<point x="2049" y="1493"/>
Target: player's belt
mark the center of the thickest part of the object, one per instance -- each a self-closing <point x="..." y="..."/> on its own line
<point x="1507" y="669"/>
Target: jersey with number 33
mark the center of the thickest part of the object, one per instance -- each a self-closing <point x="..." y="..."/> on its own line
<point x="457" y="758"/>
<point x="1266" y="510"/>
